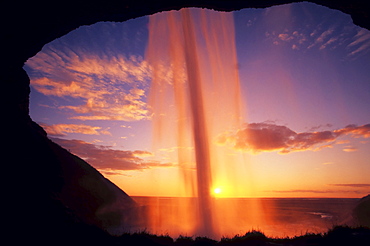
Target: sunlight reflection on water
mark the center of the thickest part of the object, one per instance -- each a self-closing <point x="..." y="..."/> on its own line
<point x="276" y="217"/>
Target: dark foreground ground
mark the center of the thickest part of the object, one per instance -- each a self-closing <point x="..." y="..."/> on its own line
<point x="336" y="236"/>
<point x="339" y="235"/>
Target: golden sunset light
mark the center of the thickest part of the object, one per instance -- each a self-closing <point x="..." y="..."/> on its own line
<point x="214" y="121"/>
<point x="217" y="190"/>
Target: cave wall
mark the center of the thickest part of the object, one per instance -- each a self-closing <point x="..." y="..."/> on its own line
<point x="26" y="27"/>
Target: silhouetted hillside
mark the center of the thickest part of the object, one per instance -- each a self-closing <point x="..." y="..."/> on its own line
<point x="93" y="198"/>
<point x="53" y="194"/>
<point x="361" y="213"/>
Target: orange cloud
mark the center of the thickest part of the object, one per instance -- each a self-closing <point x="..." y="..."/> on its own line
<point x="350" y="149"/>
<point x="357" y="131"/>
<point x="302" y="191"/>
<point x="124" y="126"/>
<point x="109" y="85"/>
<point x="127" y="107"/>
<point x="285" y="37"/>
<point x="328" y="163"/>
<point x="265" y="137"/>
<point x="142" y="153"/>
<point x="107" y="159"/>
<point x="109" y="171"/>
<point x="318" y="191"/>
<point x="352" y="185"/>
<point x="62" y="129"/>
<point x="343" y="142"/>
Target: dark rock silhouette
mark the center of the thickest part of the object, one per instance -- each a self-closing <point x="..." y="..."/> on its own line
<point x="361" y="213"/>
<point x="49" y="195"/>
<point x="92" y="197"/>
<point x="53" y="191"/>
<point x="340" y="235"/>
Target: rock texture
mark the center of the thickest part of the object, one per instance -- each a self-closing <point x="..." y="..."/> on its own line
<point x="46" y="190"/>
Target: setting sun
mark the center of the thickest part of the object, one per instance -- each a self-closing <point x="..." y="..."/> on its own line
<point x="217" y="190"/>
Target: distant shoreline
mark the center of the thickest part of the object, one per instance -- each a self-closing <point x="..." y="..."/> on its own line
<point x="301" y="198"/>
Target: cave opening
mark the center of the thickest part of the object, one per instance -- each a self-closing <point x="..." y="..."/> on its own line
<point x="298" y="69"/>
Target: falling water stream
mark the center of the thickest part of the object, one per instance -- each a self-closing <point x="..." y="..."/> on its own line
<point x="194" y="96"/>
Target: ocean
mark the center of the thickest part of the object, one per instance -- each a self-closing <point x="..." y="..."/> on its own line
<point x="275" y="217"/>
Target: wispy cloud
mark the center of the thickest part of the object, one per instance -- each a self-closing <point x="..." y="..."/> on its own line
<point x="360" y="43"/>
<point x="63" y="129"/>
<point x="285" y="37"/>
<point x="108" y="171"/>
<point x="300" y="40"/>
<point x="127" y="107"/>
<point x="267" y="137"/>
<point x="111" y="86"/>
<point x="328" y="42"/>
<point x="302" y="191"/>
<point x="322" y="37"/>
<point x="124" y="126"/>
<point x="142" y="153"/>
<point x="316" y="37"/>
<point x="342" y="142"/>
<point x="325" y="191"/>
<point x="315" y="128"/>
<point x="362" y="36"/>
<point x="349" y="149"/>
<point x="328" y="163"/>
<point x="352" y="185"/>
<point x="354" y="41"/>
<point x="295" y="38"/>
<point x="108" y="159"/>
<point x="356" y="131"/>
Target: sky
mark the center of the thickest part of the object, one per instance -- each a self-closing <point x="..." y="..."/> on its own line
<point x="305" y="85"/>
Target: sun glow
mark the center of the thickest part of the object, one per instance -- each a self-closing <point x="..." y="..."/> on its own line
<point x="217" y="191"/>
